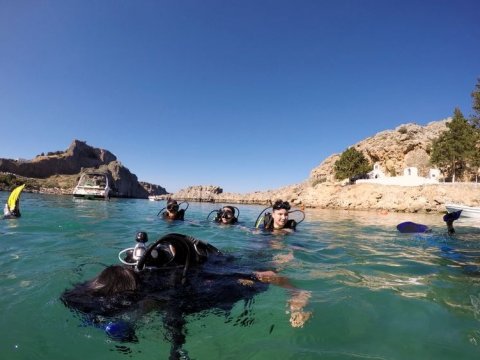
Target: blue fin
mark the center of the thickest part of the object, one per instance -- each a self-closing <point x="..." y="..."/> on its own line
<point x="452" y="216"/>
<point x="411" y="227"/>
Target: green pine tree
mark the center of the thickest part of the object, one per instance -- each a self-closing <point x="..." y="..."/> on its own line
<point x="476" y="105"/>
<point x="351" y="163"/>
<point x="455" y="148"/>
<point x="475" y="120"/>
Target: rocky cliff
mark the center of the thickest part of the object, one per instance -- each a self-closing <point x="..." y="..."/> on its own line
<point x="59" y="171"/>
<point x="407" y="145"/>
<point x="200" y="193"/>
<point x="71" y="161"/>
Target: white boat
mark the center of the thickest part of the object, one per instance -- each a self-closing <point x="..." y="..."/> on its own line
<point x="467" y="211"/>
<point x="93" y="185"/>
<point x="156" y="197"/>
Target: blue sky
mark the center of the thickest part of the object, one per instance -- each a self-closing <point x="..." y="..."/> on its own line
<point x="247" y="95"/>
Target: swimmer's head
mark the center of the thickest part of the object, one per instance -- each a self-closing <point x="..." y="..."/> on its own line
<point x="172" y="205"/>
<point x="115" y="279"/>
<point x="227" y="215"/>
<point x="280" y="214"/>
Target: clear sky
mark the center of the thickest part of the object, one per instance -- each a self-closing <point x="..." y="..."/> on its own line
<point x="247" y="95"/>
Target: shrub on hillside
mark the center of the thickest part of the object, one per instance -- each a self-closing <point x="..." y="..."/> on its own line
<point x="350" y="164"/>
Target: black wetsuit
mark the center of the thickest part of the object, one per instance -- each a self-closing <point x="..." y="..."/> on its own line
<point x="199" y="278"/>
<point x="180" y="215"/>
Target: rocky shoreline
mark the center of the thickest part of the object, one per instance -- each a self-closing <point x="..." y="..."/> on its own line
<point x="409" y="199"/>
<point x="363" y="197"/>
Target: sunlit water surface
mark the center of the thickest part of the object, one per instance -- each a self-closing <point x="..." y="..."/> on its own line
<point x="376" y="293"/>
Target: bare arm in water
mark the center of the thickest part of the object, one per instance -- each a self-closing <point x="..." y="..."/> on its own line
<point x="298" y="300"/>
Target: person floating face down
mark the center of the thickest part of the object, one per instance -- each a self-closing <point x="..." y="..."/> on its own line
<point x="120" y="288"/>
<point x="278" y="220"/>
<point x="226" y="216"/>
<point x="173" y="211"/>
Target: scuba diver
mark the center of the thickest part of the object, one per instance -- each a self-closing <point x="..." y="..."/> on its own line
<point x="172" y="211"/>
<point x="227" y="215"/>
<point x="278" y="218"/>
<point x="409" y="227"/>
<point x="12" y="206"/>
<point x="177" y="275"/>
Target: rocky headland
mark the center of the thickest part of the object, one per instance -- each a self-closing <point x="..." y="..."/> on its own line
<point x="58" y="172"/>
<point x="394" y="150"/>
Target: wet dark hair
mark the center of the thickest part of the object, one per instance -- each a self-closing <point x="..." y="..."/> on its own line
<point x="229" y="208"/>
<point x="115" y="279"/>
<point x="280" y="204"/>
<point x="172" y="205"/>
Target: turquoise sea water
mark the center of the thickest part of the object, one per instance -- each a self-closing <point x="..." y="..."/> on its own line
<point x="376" y="294"/>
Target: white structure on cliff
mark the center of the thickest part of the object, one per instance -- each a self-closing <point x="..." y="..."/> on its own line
<point x="410" y="177"/>
<point x="377" y="172"/>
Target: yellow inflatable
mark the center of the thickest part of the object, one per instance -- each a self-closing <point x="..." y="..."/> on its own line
<point x="11" y="208"/>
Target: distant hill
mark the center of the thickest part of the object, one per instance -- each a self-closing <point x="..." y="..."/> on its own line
<point x="58" y="172"/>
<point x="406" y="146"/>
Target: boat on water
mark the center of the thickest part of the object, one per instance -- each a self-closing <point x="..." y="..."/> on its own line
<point x="467" y="211"/>
<point x="93" y="185"/>
<point x="156" y="197"/>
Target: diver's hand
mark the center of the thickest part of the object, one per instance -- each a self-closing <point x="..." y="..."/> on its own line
<point x="246" y="282"/>
<point x="298" y="317"/>
<point x="283" y="258"/>
<point x="266" y="276"/>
